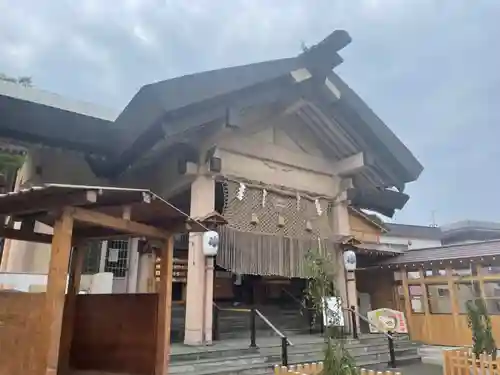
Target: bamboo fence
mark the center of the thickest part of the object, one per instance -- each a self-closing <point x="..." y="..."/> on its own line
<point x="463" y="362"/>
<point x="315" y="369"/>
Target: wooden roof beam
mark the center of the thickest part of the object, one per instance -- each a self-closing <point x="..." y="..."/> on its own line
<point x="17" y="205"/>
<point x="122" y="225"/>
<point x="25" y="235"/>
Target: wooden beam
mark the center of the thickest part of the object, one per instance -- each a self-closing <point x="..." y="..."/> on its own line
<point x="164" y="308"/>
<point x="119" y="224"/>
<point x="425" y="302"/>
<point x="23" y="235"/>
<point x="56" y="289"/>
<point x="452" y="286"/>
<point x="75" y="272"/>
<point x="23" y="204"/>
<point x="406" y="293"/>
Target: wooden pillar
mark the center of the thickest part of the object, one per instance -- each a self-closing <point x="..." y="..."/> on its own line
<point x="406" y="293"/>
<point x="164" y="309"/>
<point x="454" y="305"/>
<point x="56" y="289"/>
<point x="75" y="273"/>
<point x="425" y="302"/>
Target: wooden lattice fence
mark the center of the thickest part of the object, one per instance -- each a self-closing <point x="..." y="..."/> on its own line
<point x="463" y="362"/>
<point x="315" y="369"/>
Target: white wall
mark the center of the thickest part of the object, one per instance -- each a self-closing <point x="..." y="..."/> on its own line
<point x="408" y="243"/>
<point x="34" y="282"/>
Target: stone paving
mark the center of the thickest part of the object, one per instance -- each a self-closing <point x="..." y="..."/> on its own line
<point x="421" y="369"/>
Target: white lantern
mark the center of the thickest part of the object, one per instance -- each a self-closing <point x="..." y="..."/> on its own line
<point x="210" y="243"/>
<point x="350" y="260"/>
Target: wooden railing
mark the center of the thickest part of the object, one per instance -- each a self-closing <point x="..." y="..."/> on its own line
<point x="316" y="368"/>
<point x="463" y="361"/>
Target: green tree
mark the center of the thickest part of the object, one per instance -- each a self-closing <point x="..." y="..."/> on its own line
<point x="321" y="274"/>
<point x="479" y="323"/>
<point x="23" y="80"/>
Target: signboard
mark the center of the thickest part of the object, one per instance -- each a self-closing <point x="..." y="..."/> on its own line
<point x="332" y="314"/>
<point x="385" y="320"/>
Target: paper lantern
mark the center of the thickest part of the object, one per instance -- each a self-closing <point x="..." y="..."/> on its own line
<point x="210" y="243"/>
<point x="350" y="260"/>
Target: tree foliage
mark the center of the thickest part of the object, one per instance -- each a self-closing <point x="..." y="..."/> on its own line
<point x="23" y="80"/>
<point x="479" y="322"/>
<point x="321" y="273"/>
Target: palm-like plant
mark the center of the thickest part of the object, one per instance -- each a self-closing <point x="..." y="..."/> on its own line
<point x="479" y="322"/>
<point x="321" y="272"/>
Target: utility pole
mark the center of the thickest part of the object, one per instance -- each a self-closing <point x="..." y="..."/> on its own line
<point x="433" y="214"/>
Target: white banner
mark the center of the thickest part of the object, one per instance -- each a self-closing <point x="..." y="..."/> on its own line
<point x="332" y="312"/>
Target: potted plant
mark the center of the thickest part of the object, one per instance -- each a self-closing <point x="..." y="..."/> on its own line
<point x="321" y="284"/>
<point x="479" y="323"/>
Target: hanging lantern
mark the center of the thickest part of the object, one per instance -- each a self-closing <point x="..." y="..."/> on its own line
<point x="350" y="260"/>
<point x="210" y="243"/>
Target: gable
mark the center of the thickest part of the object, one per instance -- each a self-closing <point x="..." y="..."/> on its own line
<point x="287" y="132"/>
<point x="363" y="229"/>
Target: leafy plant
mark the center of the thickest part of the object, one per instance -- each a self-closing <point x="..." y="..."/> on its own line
<point x="321" y="273"/>
<point x="479" y="322"/>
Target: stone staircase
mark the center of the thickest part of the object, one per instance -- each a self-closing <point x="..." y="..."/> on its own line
<point x="236" y="324"/>
<point x="232" y="354"/>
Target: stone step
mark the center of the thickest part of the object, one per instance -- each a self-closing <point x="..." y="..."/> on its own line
<point x="262" y="363"/>
<point x="271" y="346"/>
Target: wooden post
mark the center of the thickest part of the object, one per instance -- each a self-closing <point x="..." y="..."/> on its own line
<point x="56" y="289"/>
<point x="425" y="302"/>
<point x="75" y="272"/>
<point x="455" y="309"/>
<point x="164" y="309"/>
<point x="406" y="293"/>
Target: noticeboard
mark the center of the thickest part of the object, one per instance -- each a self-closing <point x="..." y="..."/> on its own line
<point x="387" y="320"/>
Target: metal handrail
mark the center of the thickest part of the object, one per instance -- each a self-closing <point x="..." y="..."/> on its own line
<point x="301" y="303"/>
<point x="365" y="319"/>
<point x="390" y="336"/>
<point x="272" y="326"/>
<point x="305" y="310"/>
<point x="285" y="342"/>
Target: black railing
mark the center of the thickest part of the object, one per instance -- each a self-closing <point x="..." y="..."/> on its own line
<point x="284" y="340"/>
<point x="355" y="334"/>
<point x="253" y="314"/>
<point x="216" y="310"/>
<point x="308" y="312"/>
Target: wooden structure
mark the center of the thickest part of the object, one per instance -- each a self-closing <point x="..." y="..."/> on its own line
<point x="432" y="287"/>
<point x="316" y="368"/>
<point x="36" y="330"/>
<point x="462" y="362"/>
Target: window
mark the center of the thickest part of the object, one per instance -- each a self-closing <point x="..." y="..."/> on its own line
<point x="117" y="258"/>
<point x="413" y="275"/>
<point x="492" y="296"/>
<point x="467" y="271"/>
<point x="416" y="299"/>
<point x="92" y="260"/>
<point x="489" y="270"/>
<point x="439" y="299"/>
<point x="467" y="291"/>
<point x="434" y="273"/>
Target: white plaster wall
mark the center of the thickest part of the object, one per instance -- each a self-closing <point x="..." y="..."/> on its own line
<point x="410" y="243"/>
<point x="272" y="157"/>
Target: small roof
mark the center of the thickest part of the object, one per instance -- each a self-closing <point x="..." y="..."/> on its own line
<point x="43" y="203"/>
<point x="451" y="252"/>
<point x="32" y="115"/>
<point x="413" y="231"/>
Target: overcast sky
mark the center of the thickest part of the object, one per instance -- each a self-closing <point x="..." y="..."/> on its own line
<point x="429" y="69"/>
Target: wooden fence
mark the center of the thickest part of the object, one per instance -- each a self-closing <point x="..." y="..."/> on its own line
<point x="463" y="362"/>
<point x="315" y="369"/>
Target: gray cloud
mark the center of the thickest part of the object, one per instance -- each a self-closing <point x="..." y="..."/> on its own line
<point x="427" y="67"/>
